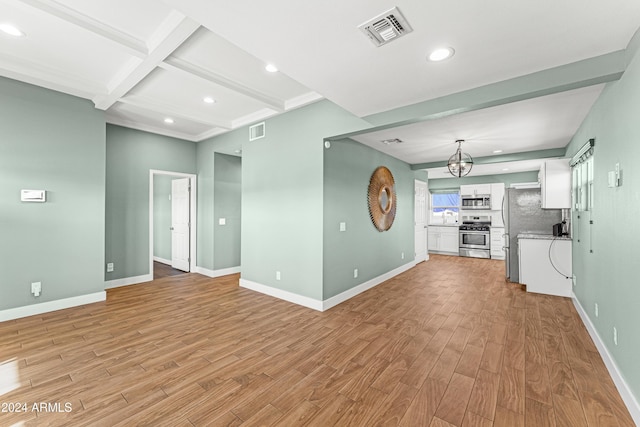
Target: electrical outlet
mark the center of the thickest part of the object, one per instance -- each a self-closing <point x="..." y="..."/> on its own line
<point x="596" y="309"/>
<point x="109" y="267"/>
<point x="36" y="288"/>
<point x="615" y="336"/>
<point x="343" y="226"/>
<point x="355" y="273"/>
<point x="573" y="279"/>
<point x="402" y="255"/>
<point x="277" y="275"/>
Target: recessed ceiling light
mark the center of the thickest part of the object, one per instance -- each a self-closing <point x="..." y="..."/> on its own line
<point x="11" y="30"/>
<point x="168" y="120"/>
<point x="497" y="151"/>
<point x="441" y="54"/>
<point x="505" y="169"/>
<point x="208" y="100"/>
<point x="271" y="68"/>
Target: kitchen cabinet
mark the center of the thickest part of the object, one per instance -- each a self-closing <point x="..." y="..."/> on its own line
<point x="443" y="239"/>
<point x="497" y="243"/>
<point x="497" y="196"/>
<point x="545" y="264"/>
<point x="555" y="184"/>
<point x="475" y="190"/>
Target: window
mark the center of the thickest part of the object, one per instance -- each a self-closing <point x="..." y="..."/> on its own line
<point x="445" y="207"/>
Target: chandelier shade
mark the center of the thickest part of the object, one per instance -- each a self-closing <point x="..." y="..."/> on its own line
<point x="460" y="163"/>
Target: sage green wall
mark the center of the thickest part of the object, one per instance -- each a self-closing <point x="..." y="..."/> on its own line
<point x="609" y="275"/>
<point x="282" y="197"/>
<point x="130" y="156"/>
<point x="162" y="216"/>
<point x="348" y="166"/>
<point x="227" y="196"/>
<point x="507" y="179"/>
<point x="54" y="142"/>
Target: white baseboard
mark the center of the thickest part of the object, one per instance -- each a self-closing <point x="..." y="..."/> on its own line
<point x="328" y="303"/>
<point x="162" y="260"/>
<point x="283" y="295"/>
<point x="46" y="307"/>
<point x="109" y="284"/>
<point x="350" y="293"/>
<point x="623" y="388"/>
<point x="217" y="273"/>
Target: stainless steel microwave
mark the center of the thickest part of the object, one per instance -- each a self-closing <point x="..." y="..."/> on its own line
<point x="476" y="202"/>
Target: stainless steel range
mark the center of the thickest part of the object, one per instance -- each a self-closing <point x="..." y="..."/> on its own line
<point x="475" y="236"/>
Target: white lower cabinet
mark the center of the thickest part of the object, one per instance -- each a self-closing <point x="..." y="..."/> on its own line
<point x="497" y="243"/>
<point x="545" y="265"/>
<point x="443" y="239"/>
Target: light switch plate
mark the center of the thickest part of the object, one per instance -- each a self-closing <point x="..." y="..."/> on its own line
<point x="222" y="221"/>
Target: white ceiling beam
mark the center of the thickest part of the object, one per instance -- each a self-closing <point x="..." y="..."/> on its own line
<point x="185" y="67"/>
<point x="175" y="113"/>
<point x="48" y="77"/>
<point x="172" y="33"/>
<point x="133" y="45"/>
<point x="148" y="128"/>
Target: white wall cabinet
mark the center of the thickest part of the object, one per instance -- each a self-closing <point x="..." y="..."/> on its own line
<point x="538" y="261"/>
<point x="443" y="239"/>
<point x="475" y="190"/>
<point x="497" y="243"/>
<point x="497" y="196"/>
<point x="555" y="184"/>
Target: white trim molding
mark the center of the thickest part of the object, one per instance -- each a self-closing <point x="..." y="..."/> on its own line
<point x="162" y="260"/>
<point x="281" y="294"/>
<point x="350" y="293"/>
<point x="217" y="273"/>
<point x="623" y="388"/>
<point x="46" y="307"/>
<point x="110" y="284"/>
<point x="328" y="303"/>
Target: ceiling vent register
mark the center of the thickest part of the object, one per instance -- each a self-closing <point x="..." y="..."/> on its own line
<point x="386" y="27"/>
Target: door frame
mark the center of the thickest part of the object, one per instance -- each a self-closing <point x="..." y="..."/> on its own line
<point x="417" y="182"/>
<point x="192" y="215"/>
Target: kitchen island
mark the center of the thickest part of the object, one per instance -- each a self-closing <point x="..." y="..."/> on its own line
<point x="545" y="263"/>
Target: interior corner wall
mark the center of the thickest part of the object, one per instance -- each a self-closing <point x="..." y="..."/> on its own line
<point x="131" y="154"/>
<point x="162" y="216"/>
<point x="348" y="166"/>
<point x="606" y="270"/>
<point x="282" y="197"/>
<point x="54" y="142"/>
<point x="227" y="197"/>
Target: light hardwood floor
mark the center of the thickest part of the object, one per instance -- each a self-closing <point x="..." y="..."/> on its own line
<point x="447" y="343"/>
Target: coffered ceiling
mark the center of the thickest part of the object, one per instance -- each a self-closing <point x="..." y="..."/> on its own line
<point x="147" y="60"/>
<point x="143" y="62"/>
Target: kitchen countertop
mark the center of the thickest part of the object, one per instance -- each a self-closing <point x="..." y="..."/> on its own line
<point x="542" y="236"/>
<point x="444" y="225"/>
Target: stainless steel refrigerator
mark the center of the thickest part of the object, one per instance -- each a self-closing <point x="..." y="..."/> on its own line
<point x="523" y="214"/>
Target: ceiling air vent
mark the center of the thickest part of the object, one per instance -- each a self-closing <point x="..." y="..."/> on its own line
<point x="256" y="131"/>
<point x="386" y="27"/>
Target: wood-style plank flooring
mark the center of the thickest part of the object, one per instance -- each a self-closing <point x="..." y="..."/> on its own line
<point x="161" y="270"/>
<point x="447" y="343"/>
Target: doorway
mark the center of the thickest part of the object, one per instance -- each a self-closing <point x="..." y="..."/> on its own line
<point x="182" y="226"/>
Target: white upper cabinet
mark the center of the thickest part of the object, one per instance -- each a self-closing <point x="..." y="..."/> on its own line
<point x="497" y="196"/>
<point x="475" y="190"/>
<point x="555" y="184"/>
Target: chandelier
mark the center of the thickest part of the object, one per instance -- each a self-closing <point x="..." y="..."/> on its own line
<point x="460" y="163"/>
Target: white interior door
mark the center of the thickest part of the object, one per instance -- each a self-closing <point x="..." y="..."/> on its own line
<point x="421" y="204"/>
<point x="180" y="213"/>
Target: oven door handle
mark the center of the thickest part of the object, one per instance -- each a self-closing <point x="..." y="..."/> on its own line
<point x="474" y="232"/>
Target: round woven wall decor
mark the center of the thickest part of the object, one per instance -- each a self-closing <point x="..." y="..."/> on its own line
<point x="382" y="198"/>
